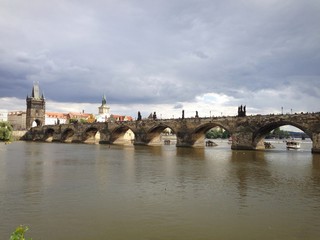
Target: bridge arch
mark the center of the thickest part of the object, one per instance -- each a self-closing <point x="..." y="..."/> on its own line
<point x="199" y="134"/>
<point x="48" y="135"/>
<point x="122" y="135"/>
<point x="262" y="132"/>
<point x="67" y="135"/>
<point x="154" y="133"/>
<point x="91" y="135"/>
<point x="36" y="123"/>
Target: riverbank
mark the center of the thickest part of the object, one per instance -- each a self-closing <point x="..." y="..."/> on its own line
<point x="16" y="136"/>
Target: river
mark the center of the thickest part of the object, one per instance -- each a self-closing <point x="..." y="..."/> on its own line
<point x="86" y="192"/>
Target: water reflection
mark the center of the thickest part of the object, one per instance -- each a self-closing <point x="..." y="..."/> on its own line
<point x="136" y="192"/>
<point x="316" y="161"/>
<point x="191" y="153"/>
<point x="315" y="177"/>
<point x="249" y="168"/>
<point x="152" y="150"/>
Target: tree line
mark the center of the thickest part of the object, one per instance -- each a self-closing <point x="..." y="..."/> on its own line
<point x="223" y="134"/>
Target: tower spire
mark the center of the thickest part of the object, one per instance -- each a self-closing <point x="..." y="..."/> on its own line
<point x="35" y="90"/>
<point x="104" y="101"/>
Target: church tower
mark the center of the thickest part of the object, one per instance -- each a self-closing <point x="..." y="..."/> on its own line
<point x="36" y="108"/>
<point x="104" y="111"/>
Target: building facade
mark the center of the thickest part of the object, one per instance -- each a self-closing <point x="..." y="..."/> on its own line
<point x="53" y="118"/>
<point x="17" y="119"/>
<point x="3" y="115"/>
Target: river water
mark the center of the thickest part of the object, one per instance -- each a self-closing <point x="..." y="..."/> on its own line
<point x="86" y="192"/>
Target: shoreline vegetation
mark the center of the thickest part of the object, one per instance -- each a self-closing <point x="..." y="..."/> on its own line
<point x="15" y="136"/>
<point x="19" y="233"/>
<point x="6" y="132"/>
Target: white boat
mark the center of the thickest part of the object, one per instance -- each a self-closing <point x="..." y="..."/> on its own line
<point x="292" y="144"/>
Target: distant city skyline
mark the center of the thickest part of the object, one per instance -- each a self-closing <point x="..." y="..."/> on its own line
<point x="162" y="56"/>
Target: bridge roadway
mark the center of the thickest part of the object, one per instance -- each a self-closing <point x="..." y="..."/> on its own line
<point x="247" y="132"/>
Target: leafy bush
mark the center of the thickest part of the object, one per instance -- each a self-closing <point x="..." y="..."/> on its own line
<point x="18" y="234"/>
<point x="5" y="131"/>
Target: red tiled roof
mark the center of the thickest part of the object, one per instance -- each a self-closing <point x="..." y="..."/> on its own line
<point x="79" y="115"/>
<point x="122" y="117"/>
<point x="56" y="115"/>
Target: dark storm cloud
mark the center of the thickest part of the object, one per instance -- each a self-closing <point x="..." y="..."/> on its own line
<point x="161" y="52"/>
<point x="178" y="106"/>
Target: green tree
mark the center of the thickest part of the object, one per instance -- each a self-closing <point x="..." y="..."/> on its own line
<point x="278" y="133"/>
<point x="225" y="135"/>
<point x="82" y="120"/>
<point x="5" y="131"/>
<point x="214" y="134"/>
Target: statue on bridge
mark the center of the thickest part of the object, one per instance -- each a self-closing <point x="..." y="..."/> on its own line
<point x="139" y="116"/>
<point x="153" y="116"/>
<point x="242" y="111"/>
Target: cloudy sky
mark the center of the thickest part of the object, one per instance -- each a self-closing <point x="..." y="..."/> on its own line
<point x="208" y="56"/>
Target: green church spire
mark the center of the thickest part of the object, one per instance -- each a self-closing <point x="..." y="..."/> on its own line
<point x="104" y="101"/>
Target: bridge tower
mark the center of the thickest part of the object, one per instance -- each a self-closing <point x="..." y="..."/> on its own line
<point x="36" y="108"/>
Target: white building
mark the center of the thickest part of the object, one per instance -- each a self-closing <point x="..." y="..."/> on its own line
<point x="53" y="118"/>
<point x="3" y="115"/>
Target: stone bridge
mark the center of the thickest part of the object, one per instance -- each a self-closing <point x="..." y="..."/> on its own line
<point x="247" y="132"/>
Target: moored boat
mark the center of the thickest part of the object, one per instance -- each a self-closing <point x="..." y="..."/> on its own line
<point x="292" y="144"/>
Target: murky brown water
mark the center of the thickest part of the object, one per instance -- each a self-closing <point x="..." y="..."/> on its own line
<point x="77" y="191"/>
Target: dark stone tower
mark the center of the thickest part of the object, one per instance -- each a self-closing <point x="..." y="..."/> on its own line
<point x="36" y="108"/>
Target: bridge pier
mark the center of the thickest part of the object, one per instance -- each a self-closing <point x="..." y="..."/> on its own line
<point x="77" y="137"/>
<point x="315" y="150"/>
<point x="140" y="138"/>
<point x="185" y="139"/>
<point x="315" y="143"/>
<point x="56" y="137"/>
<point x="105" y="137"/>
<point x="242" y="140"/>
